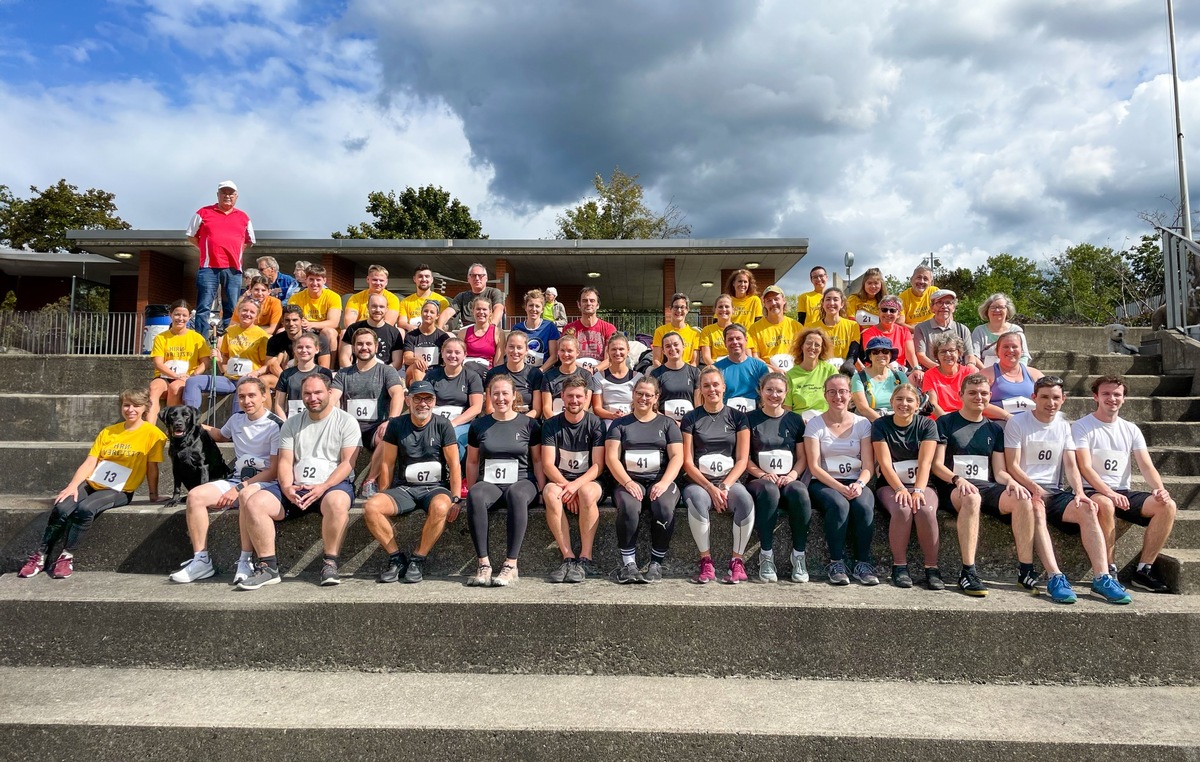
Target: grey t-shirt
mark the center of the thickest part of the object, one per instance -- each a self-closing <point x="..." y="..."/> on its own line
<point x="358" y="386"/>
<point x="461" y="304"/>
<point x="924" y="334"/>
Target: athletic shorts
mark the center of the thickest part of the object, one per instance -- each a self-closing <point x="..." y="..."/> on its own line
<point x="409" y="499"/>
<point x="224" y="484"/>
<point x="1057" y="501"/>
<point x="989" y="498"/>
<point x="291" y="510"/>
<point x="368" y="434"/>
<point x="1133" y="514"/>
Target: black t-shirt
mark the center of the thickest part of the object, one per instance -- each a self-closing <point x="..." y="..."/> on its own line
<point x="281" y="342"/>
<point x="573" y="441"/>
<point x="388" y="335"/>
<point x="641" y="441"/>
<point x="419" y="449"/>
<point x="676" y="384"/>
<point x="504" y="440"/>
<point x="457" y="390"/>
<point x="525" y="381"/>
<point x="415" y="339"/>
<point x="904" y="443"/>
<point x="292" y="378"/>
<point x="767" y="433"/>
<point x="715" y="435"/>
<point x="962" y="437"/>
<point x="553" y="380"/>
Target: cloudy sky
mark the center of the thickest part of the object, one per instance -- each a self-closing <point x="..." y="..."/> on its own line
<point x="905" y="127"/>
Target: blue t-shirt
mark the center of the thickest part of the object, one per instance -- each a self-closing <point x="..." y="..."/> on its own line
<point x="741" y="378"/>
<point x="539" y="340"/>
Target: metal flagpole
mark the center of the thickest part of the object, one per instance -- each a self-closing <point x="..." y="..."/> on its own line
<point x="1175" y="292"/>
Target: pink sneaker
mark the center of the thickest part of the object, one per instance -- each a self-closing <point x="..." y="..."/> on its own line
<point x="36" y="562"/>
<point x="63" y="566"/>
<point x="737" y="572"/>
<point x="707" y="572"/>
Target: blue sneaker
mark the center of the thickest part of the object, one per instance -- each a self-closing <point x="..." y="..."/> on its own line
<point x="1108" y="587"/>
<point x="1060" y="589"/>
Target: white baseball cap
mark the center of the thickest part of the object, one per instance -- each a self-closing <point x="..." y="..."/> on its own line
<point x="227" y="184"/>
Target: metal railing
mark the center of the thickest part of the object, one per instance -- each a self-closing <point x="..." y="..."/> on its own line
<point x="1181" y="261"/>
<point x="77" y="333"/>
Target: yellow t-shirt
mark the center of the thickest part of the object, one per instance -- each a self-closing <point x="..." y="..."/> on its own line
<point x="315" y="310"/>
<point x="124" y="454"/>
<point x="690" y="336"/>
<point x="189" y="347"/>
<point x="916" y="308"/>
<point x="746" y="310"/>
<point x="713" y="337"/>
<point x="410" y="306"/>
<point x="358" y="303"/>
<point x="770" y="340"/>
<point x="244" y="343"/>
<point x="810" y="304"/>
<point x="842" y="335"/>
<point x="854" y="303"/>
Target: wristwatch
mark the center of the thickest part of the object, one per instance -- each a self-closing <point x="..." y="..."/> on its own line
<point x="955" y="480"/>
<point x="456" y="500"/>
<point x="239" y="486"/>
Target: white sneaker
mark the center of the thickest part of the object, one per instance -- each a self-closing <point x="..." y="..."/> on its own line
<point x="244" y="570"/>
<point x="193" y="570"/>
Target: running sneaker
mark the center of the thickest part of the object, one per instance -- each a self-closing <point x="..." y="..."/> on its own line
<point x="560" y="574"/>
<point x="706" y="572"/>
<point x="800" y="568"/>
<point x="736" y="573"/>
<point x="414" y="571"/>
<point x="507" y="576"/>
<point x="63" y="566"/>
<point x="864" y="574"/>
<point x="329" y="573"/>
<point x="653" y="572"/>
<point x="933" y="578"/>
<point x="628" y="574"/>
<point x="368" y="489"/>
<point x="35" y="564"/>
<point x="837" y="573"/>
<point x="1149" y="581"/>
<point x="766" y="570"/>
<point x="244" y="569"/>
<point x="194" y="569"/>
<point x="970" y="584"/>
<point x="578" y="572"/>
<point x="901" y="577"/>
<point x="1059" y="589"/>
<point x="263" y="575"/>
<point x="482" y="577"/>
<point x="1107" y="587"/>
<point x="1028" y="580"/>
<point x="588" y="567"/>
<point x="391" y="572"/>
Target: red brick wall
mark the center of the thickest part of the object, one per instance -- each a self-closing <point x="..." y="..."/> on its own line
<point x="161" y="281"/>
<point x="668" y="273"/>
<point x="123" y="293"/>
<point x="339" y="274"/>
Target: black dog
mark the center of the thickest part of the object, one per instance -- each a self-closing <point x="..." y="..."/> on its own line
<point x="195" y="457"/>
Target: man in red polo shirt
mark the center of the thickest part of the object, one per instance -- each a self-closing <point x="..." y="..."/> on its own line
<point x="222" y="234"/>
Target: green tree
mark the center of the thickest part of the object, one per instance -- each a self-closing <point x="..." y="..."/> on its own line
<point x="1084" y="284"/>
<point x="620" y="212"/>
<point x="426" y="212"/>
<point x="41" y="222"/>
<point x="1146" y="271"/>
<point x="1017" y="277"/>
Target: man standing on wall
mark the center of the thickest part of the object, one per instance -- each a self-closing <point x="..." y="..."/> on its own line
<point x="221" y="233"/>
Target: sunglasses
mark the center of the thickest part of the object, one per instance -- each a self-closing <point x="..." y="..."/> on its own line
<point x="889" y="310"/>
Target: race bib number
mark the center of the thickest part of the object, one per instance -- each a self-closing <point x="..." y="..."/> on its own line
<point x="1043" y="454"/>
<point x="1110" y="464"/>
<point x="178" y="367"/>
<point x="714" y="465"/>
<point x="574" y="462"/>
<point x="990" y="360"/>
<point x="239" y="366"/>
<point x="588" y="363"/>
<point x="110" y="475"/>
<point x="535" y="358"/>
<point x="311" y="471"/>
<point x="677" y="409"/>
<point x="836" y="362"/>
<point x="972" y="467"/>
<point x="906" y="470"/>
<point x="643" y="461"/>
<point x="745" y="404"/>
<point x="776" y="462"/>
<point x="450" y="412"/>
<point x="1017" y="404"/>
<point x="480" y="364"/>
<point x="864" y="318"/>
<point x="783" y="361"/>
<point x="295" y="407"/>
<point x="429" y="354"/>
<point x="557" y="405"/>
<point x="500" y="471"/>
<point x="255" y="463"/>
<point x="619" y="409"/>
<point x="423" y="472"/>
<point x="843" y="466"/>
<point x="363" y="410"/>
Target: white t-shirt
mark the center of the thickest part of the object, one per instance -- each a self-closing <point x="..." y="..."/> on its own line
<point x="835" y="449"/>
<point x="1043" y="446"/>
<point x="1109" y="444"/>
<point x="322" y="440"/>
<point x="257" y="440"/>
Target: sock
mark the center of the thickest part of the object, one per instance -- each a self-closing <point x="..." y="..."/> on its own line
<point x="968" y="568"/>
<point x="1025" y="568"/>
<point x="796" y="554"/>
<point x="246" y="555"/>
<point x="330" y="557"/>
<point x="393" y="557"/>
<point x="658" y="555"/>
<point x="897" y="567"/>
<point x="270" y="562"/>
<point x="581" y="559"/>
<point x="767" y="554"/>
<point x="628" y="558"/>
<point x="202" y="555"/>
<point x="1145" y="567"/>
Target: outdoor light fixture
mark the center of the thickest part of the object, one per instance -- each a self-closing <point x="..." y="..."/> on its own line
<point x="752" y="265"/>
<point x="696" y="302"/>
<point x="706" y="284"/>
<point x="123" y="255"/>
<point x="593" y="275"/>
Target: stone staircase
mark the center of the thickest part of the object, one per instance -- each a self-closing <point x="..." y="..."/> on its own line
<point x="116" y="662"/>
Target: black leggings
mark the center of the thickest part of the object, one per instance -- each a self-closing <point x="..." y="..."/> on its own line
<point x="484" y="497"/>
<point x="796" y="502"/>
<point x="843" y="516"/>
<point x="74" y="515"/>
<point x="629" y="514"/>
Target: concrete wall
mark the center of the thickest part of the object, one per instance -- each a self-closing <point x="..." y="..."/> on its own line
<point x="1181" y="355"/>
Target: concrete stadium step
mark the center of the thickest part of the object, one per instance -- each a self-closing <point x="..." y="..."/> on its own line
<point x="1170" y="433"/>
<point x="673" y="628"/>
<point x="70" y="417"/>
<point x="1138" y="385"/>
<point x="1076" y="338"/>
<point x="1180" y="568"/>
<point x="1186" y="532"/>
<point x="73" y="374"/>
<point x="120" y="714"/>
<point x="1176" y="461"/>
<point x="1058" y="362"/>
<point x="1140" y="409"/>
